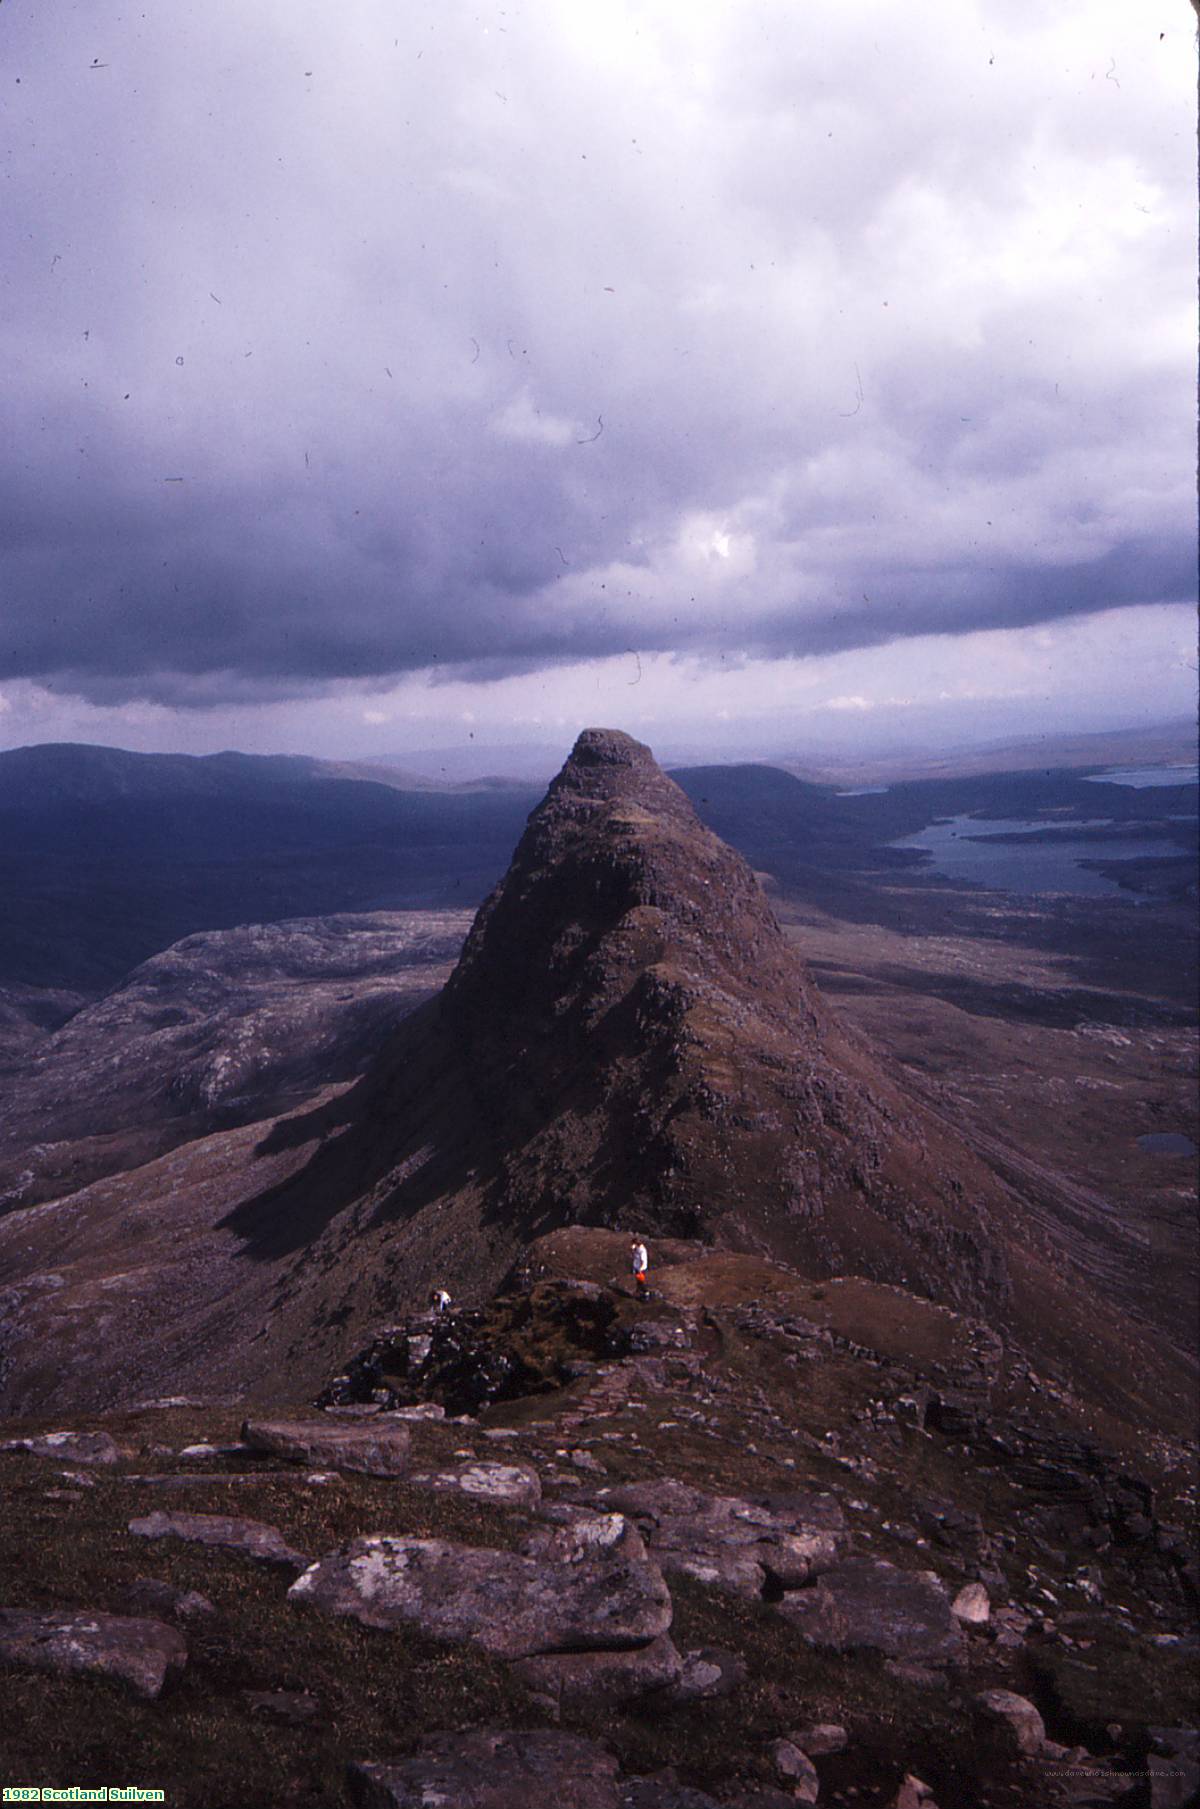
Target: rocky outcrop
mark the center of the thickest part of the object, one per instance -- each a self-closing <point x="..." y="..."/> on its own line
<point x="602" y="1679"/>
<point x="745" y="1546"/>
<point x="246" y="1538"/>
<point x="372" y="1448"/>
<point x="520" y="1344"/>
<point x="868" y="1605"/>
<point x="140" y="1653"/>
<point x="510" y="1485"/>
<point x="575" y="1595"/>
<point x="69" y="1447"/>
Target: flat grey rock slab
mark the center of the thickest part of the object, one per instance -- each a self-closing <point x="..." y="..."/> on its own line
<point x="368" y="1447"/>
<point x="730" y="1542"/>
<point x="602" y="1679"/>
<point x="866" y="1604"/>
<point x="140" y="1653"/>
<point x="247" y="1538"/>
<point x="507" y="1602"/>
<point x="69" y="1447"/>
<point x="483" y="1770"/>
<point x="511" y="1485"/>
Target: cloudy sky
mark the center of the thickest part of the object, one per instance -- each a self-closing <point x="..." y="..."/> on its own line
<point x="746" y="375"/>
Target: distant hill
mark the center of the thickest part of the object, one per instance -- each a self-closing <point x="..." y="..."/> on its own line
<point x="1157" y="744"/>
<point x="110" y="856"/>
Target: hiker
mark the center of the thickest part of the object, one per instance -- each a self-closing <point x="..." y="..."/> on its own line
<point x="439" y="1300"/>
<point x="641" y="1262"/>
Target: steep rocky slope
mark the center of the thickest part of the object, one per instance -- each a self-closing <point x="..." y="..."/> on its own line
<point x="628" y="1039"/>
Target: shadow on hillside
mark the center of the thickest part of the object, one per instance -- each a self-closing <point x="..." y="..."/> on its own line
<point x="1052" y="1008"/>
<point x="401" y="1126"/>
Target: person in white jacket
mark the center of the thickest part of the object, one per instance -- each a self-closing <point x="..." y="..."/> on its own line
<point x="640" y="1261"/>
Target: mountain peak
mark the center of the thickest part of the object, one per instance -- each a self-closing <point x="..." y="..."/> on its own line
<point x="610" y="747"/>
<point x="606" y="766"/>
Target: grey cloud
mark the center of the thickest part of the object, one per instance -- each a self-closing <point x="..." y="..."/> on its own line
<point x="284" y="341"/>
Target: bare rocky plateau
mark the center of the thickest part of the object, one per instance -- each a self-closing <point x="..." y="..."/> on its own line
<point x="224" y="1028"/>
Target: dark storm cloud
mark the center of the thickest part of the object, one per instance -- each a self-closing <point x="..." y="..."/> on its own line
<point x="484" y="341"/>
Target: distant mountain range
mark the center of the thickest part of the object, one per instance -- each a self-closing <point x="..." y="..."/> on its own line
<point x="110" y="857"/>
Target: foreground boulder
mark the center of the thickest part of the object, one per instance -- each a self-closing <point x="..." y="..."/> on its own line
<point x="511" y="1604"/>
<point x="151" y="1596"/>
<point x="602" y="1679"/>
<point x="372" y="1448"/>
<point x="142" y="1654"/>
<point x="739" y="1545"/>
<point x="510" y="1485"/>
<point x="247" y="1538"/>
<point x="1017" y="1716"/>
<point x="866" y="1604"/>
<point x="481" y="1770"/>
<point x="69" y="1447"/>
<point x="708" y="1673"/>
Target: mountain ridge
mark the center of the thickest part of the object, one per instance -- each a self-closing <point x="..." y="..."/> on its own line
<point x="628" y="1040"/>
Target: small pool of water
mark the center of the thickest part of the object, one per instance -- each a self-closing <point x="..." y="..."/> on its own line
<point x="1167" y="1143"/>
<point x="1143" y="777"/>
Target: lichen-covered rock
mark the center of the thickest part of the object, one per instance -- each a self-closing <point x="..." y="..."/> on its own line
<point x="140" y="1653"/>
<point x="248" y="1538"/>
<point x="512" y="1485"/>
<point x="485" y="1770"/>
<point x="507" y="1602"/>
<point x="69" y="1447"/>
<point x="572" y="1534"/>
<point x="732" y="1543"/>
<point x="708" y="1674"/>
<point x="866" y="1604"/>
<point x="372" y="1448"/>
